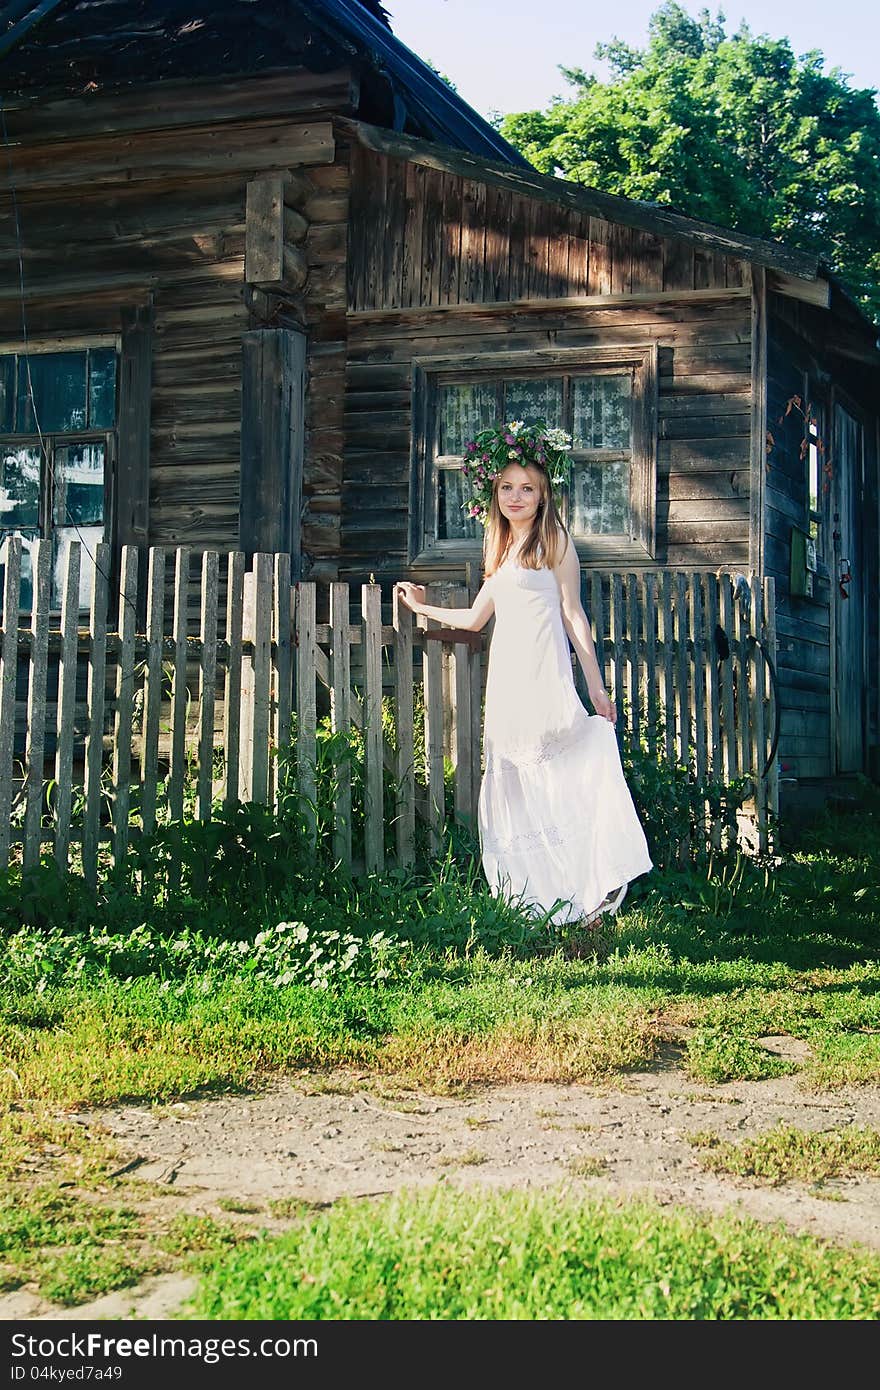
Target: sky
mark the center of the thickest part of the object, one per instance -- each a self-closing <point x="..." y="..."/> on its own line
<point x="504" y="55"/>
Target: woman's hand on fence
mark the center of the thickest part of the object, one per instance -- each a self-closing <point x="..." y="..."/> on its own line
<point x="413" y="595"/>
<point x="603" y="704"/>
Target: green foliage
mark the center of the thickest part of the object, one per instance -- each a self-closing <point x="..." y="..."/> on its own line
<point x="720" y="1054"/>
<point x="442" y="75"/>
<point x="786" y="1154"/>
<point x="732" y="129"/>
<point x="340" y="764"/>
<point x="71" y="1250"/>
<point x="288" y="953"/>
<point x="524" y="1256"/>
<point x="674" y="805"/>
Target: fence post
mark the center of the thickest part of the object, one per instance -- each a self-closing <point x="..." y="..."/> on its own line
<point x="262" y="642"/>
<point x="475" y="667"/>
<point x="770" y="645"/>
<point x="36" y="702"/>
<point x="649" y="587"/>
<point x="465" y="798"/>
<point x="66" y="706"/>
<point x="740" y="625"/>
<point x="340" y="716"/>
<point x="282" y="664"/>
<point x="149" y="758"/>
<point x="371" y="608"/>
<point x="8" y="676"/>
<point x="232" y="684"/>
<point x="405" y="823"/>
<point x="633" y="683"/>
<point x="667" y="638"/>
<point x="682" y="669"/>
<point x="246" y="689"/>
<point x="207" y="680"/>
<point x="306" y="711"/>
<point x="597" y="618"/>
<point x="122" y="731"/>
<point x="729" y="763"/>
<point x="616" y="615"/>
<point x="713" y="698"/>
<point x="95" y="736"/>
<point x="713" y="690"/>
<point x="432" y="678"/>
<point x="699" y="677"/>
<point x="759" y="742"/>
<point x="179" y="691"/>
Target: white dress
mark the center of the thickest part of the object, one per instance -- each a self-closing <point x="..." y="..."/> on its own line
<point x="558" y="828"/>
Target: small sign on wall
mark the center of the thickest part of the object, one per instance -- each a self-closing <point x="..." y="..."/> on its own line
<point x="803" y="563"/>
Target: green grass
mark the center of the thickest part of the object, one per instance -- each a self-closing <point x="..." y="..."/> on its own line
<point x="74" y="1222"/>
<point x="71" y="1247"/>
<point x="451" y="1255"/>
<point x="468" y="1158"/>
<point x="454" y="1023"/>
<point x="427" y="981"/>
<point x="786" y="1154"/>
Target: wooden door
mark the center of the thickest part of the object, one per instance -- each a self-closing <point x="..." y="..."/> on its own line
<point x="848" y="593"/>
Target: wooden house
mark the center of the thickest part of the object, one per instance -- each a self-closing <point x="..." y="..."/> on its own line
<point x="263" y="271"/>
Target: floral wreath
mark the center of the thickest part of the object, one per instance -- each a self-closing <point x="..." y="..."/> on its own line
<point x="492" y="449"/>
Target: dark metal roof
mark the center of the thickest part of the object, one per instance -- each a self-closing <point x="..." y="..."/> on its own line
<point x="18" y="16"/>
<point x="61" y="48"/>
<point x="423" y="93"/>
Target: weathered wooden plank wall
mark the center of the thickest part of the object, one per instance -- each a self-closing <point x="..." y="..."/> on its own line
<point x="803" y="626"/>
<point x="157" y="216"/>
<point x="326" y="205"/>
<point x="800" y="365"/>
<point x="704" y="403"/>
<point x="480" y="269"/>
<point x="457" y="241"/>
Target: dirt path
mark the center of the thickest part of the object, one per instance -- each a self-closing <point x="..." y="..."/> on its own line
<point x="320" y="1138"/>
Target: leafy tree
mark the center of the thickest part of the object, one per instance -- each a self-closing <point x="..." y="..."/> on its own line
<point x="442" y="75"/>
<point x="734" y="129"/>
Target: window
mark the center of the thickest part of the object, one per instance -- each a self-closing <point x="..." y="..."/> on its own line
<point x="57" y="431"/>
<point x="817" y="473"/>
<point x="605" y="399"/>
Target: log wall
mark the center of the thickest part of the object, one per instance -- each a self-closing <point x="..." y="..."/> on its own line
<point x="476" y="268"/>
<point x="704" y="402"/>
<point x="118" y="206"/>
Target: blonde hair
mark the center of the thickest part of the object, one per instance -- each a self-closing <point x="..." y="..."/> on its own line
<point x="541" y="546"/>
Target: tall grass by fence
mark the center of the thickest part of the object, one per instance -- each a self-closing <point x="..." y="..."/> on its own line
<point x="203" y="689"/>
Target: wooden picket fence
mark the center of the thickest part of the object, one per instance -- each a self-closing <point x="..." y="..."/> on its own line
<point x="110" y="725"/>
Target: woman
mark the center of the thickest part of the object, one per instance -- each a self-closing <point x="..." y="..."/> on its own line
<point x="558" y="828"/>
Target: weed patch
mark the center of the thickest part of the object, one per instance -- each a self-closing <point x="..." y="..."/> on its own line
<point x="787" y="1154"/>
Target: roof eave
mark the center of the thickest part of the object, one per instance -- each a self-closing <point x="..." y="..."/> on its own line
<point x="578" y="197"/>
<point x="404" y="69"/>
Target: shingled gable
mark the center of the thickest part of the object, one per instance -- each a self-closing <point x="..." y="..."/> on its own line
<point x="58" y="49"/>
